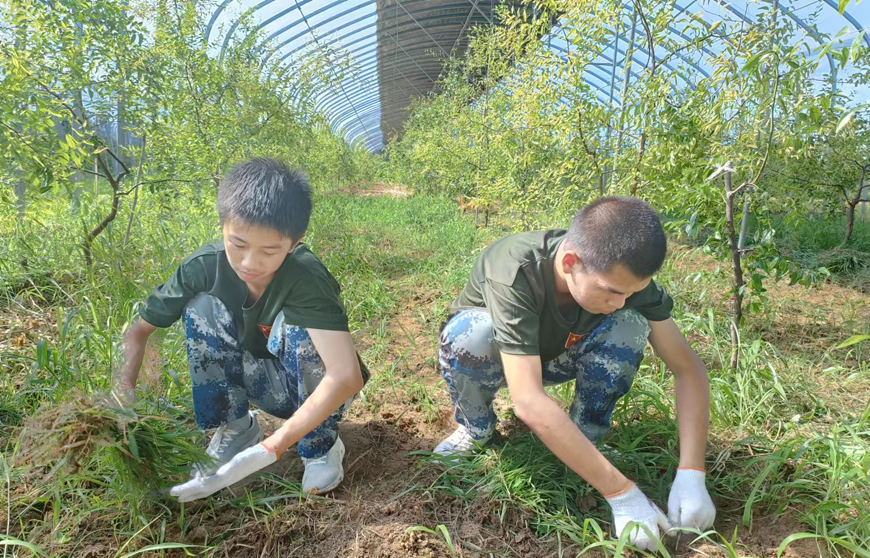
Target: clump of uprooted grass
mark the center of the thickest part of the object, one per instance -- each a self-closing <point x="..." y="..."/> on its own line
<point x="149" y="448"/>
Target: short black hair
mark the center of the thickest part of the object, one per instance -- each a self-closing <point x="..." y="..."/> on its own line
<point x="618" y="230"/>
<point x="265" y="192"/>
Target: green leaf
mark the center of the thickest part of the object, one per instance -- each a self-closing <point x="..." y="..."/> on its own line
<point x="845" y="121"/>
<point x="754" y="61"/>
<point x="858" y="551"/>
<point x="854" y="340"/>
<point x="134" y="445"/>
<point x="855" y="50"/>
<point x="161" y="546"/>
<point x="11" y="541"/>
<point x="841" y="7"/>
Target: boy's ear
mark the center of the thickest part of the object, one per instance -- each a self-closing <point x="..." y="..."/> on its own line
<point x="569" y="260"/>
<point x="296" y="243"/>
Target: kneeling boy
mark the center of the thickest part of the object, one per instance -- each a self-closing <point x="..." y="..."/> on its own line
<point x="543" y="308"/>
<point x="265" y="325"/>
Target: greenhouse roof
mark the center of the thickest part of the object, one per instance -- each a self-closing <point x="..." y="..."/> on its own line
<point x="399" y="46"/>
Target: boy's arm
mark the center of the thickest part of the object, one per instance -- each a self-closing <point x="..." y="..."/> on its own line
<point x="554" y="427"/>
<point x="689" y="504"/>
<point x="135" y="341"/>
<point x="559" y="433"/>
<point x="342" y="380"/>
<point x="692" y="386"/>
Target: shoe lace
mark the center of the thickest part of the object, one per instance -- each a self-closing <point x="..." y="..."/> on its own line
<point x="316" y="460"/>
<point x="219" y="441"/>
<point x="222" y="438"/>
<point x="461" y="439"/>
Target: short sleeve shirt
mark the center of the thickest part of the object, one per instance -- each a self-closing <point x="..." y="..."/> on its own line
<point x="513" y="279"/>
<point x="302" y="288"/>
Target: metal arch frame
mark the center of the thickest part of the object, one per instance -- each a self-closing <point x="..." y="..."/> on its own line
<point x="336" y="101"/>
<point x="346" y="118"/>
<point x="371" y="62"/>
<point x="801" y="23"/>
<point x="322" y="22"/>
<point x="369" y="69"/>
<point x="369" y="112"/>
<point x="851" y="19"/>
<point x="601" y="53"/>
<point x="412" y="24"/>
<point x="701" y="70"/>
<point x="344" y="123"/>
<point x="607" y="58"/>
<point x="348" y="114"/>
<point x="333" y="102"/>
<point x="368" y="66"/>
<point x="354" y="32"/>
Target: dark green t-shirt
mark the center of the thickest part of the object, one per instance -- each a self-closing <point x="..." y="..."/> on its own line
<point x="513" y="279"/>
<point x="302" y="288"/>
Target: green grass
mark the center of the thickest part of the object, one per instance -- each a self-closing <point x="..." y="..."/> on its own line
<point x="817" y="242"/>
<point x="780" y="445"/>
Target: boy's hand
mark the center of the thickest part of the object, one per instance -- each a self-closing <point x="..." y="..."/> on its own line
<point x="633" y="505"/>
<point x="689" y="504"/>
<point x="243" y="464"/>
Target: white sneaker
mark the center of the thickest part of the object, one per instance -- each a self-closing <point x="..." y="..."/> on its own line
<point x="228" y="440"/>
<point x="324" y="473"/>
<point x="460" y="442"/>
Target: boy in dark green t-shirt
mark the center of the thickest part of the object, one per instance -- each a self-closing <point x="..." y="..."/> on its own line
<point x="265" y="325"/>
<point x="544" y="308"/>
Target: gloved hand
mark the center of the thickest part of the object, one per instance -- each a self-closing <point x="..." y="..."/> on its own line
<point x="689" y="504"/>
<point x="243" y="464"/>
<point x="633" y="505"/>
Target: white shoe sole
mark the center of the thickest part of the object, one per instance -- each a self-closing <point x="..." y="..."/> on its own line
<point x="338" y="479"/>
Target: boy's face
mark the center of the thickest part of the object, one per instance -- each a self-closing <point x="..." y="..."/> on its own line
<point x="255" y="253"/>
<point x="600" y="293"/>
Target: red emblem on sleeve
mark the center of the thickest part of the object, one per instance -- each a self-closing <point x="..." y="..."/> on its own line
<point x="266" y="330"/>
<point x="573" y="338"/>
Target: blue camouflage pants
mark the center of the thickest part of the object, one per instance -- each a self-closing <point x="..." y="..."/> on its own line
<point x="226" y="378"/>
<point x="602" y="366"/>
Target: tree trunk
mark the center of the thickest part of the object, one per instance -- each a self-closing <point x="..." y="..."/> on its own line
<point x="850" y="208"/>
<point x="744" y="224"/>
<point x="736" y="268"/>
<point x="850" y="221"/>
<point x="21" y="200"/>
<point x="116" y="201"/>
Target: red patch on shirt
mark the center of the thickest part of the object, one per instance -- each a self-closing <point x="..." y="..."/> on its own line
<point x="266" y="330"/>
<point x="573" y="338"/>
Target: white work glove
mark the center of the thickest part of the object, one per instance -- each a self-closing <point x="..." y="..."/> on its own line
<point x="243" y="464"/>
<point x="633" y="505"/>
<point x="689" y="504"/>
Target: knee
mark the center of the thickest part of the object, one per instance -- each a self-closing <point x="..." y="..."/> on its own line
<point x="466" y="341"/>
<point x="206" y="316"/>
<point x="205" y="308"/>
<point x="629" y="329"/>
<point x="284" y="336"/>
<point x="292" y="345"/>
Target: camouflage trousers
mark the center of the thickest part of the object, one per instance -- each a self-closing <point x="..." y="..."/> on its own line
<point x="227" y="379"/>
<point x="602" y="366"/>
